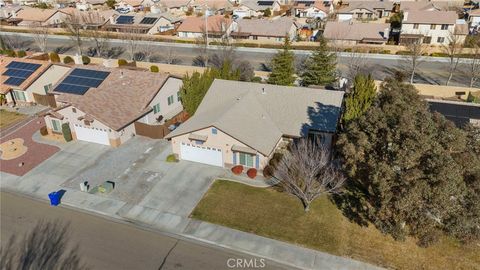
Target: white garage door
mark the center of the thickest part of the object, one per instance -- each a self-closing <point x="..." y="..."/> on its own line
<point x="201" y="154"/>
<point x="92" y="135"/>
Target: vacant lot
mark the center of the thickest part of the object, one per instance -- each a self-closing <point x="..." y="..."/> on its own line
<point x="274" y="214"/>
<point x="7" y="118"/>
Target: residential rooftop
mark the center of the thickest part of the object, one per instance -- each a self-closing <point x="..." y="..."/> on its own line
<point x="5" y="61"/>
<point x="430" y="17"/>
<point x="356" y="31"/>
<point x="263" y="27"/>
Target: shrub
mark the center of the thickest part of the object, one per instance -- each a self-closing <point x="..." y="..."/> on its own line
<point x="122" y="62"/>
<point x="237" y="169"/>
<point x="268" y="171"/>
<point x="54" y="57"/>
<point x="252" y="173"/>
<point x="154" y="69"/>
<point x="171" y="158"/>
<point x="439" y="54"/>
<point x="67" y="133"/>
<point x="385" y="52"/>
<point x="21" y="54"/>
<point x="348" y="50"/>
<point x="68" y="60"/>
<point x="10" y="53"/>
<point x="403" y="53"/>
<point x="85" y="60"/>
<point x="43" y="131"/>
<point x="257" y="79"/>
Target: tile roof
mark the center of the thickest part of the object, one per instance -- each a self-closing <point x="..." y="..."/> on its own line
<point x="256" y="4"/>
<point x="369" y="5"/>
<point x="36" y="14"/>
<point x="258" y="115"/>
<point x="4" y="61"/>
<point x="212" y="4"/>
<point x="123" y="96"/>
<point x="430" y="17"/>
<point x="174" y="3"/>
<point x="355" y="31"/>
<point x="458" y="112"/>
<point x="197" y="24"/>
<point x="262" y="27"/>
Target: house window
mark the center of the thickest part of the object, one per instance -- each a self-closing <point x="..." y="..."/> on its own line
<point x="198" y="142"/>
<point x="444" y="26"/>
<point x="156" y="108"/>
<point x="246" y="159"/>
<point x="47" y="87"/>
<point x="170" y="100"/>
<point x="214" y="131"/>
<point x="369" y="15"/>
<point x="415" y="26"/>
<point x="19" y="95"/>
<point x="433" y="26"/>
<point x="359" y="15"/>
<point x="56" y="126"/>
<point x="178" y="96"/>
<point x="427" y="40"/>
<point x="440" y="39"/>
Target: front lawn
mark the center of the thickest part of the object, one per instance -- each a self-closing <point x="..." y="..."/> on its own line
<point x="277" y="215"/>
<point x="7" y="118"/>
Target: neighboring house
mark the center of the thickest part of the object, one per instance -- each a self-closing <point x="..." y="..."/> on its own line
<point x="27" y="81"/>
<point x="214" y="6"/>
<point x="474" y="18"/>
<point x="432" y="27"/>
<point x="365" y="10"/>
<point x="8" y="12"/>
<point x="461" y="113"/>
<point x="264" y="29"/>
<point x="147" y="23"/>
<point x="255" y="8"/>
<point x="430" y="5"/>
<point x="174" y="6"/>
<point x="107" y="106"/>
<point x="92" y="19"/>
<point x="85" y="5"/>
<point x="217" y="26"/>
<point x="351" y="33"/>
<point x="37" y="16"/>
<point x="245" y="123"/>
<point x="312" y="9"/>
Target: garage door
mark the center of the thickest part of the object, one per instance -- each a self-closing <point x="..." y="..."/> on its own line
<point x="92" y="135"/>
<point x="201" y="154"/>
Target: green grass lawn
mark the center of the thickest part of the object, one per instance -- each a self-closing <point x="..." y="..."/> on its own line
<point x="277" y="215"/>
<point x="7" y="118"/>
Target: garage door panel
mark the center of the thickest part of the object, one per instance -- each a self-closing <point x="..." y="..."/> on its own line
<point x="92" y="135"/>
<point x="201" y="154"/>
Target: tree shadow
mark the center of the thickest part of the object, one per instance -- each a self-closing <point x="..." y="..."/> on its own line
<point x="114" y="52"/>
<point x="62" y="49"/>
<point x="324" y="118"/>
<point x="46" y="246"/>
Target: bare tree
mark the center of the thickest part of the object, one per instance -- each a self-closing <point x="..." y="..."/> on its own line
<point x="146" y="50"/>
<point x="40" y="36"/>
<point x="453" y="50"/>
<point x="131" y="37"/>
<point x="170" y="56"/>
<point x="306" y="172"/>
<point x="93" y="20"/>
<point x="357" y="63"/>
<point x="473" y="65"/>
<point x="74" y="24"/>
<point x="414" y="57"/>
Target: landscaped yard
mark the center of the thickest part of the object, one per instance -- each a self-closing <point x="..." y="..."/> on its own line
<point x="274" y="214"/>
<point x="6" y="117"/>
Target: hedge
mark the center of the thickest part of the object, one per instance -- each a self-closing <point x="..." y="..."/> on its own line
<point x="122" y="62"/>
<point x="154" y="68"/>
<point x="68" y="60"/>
<point x="21" y="54"/>
<point x="171" y="158"/>
<point x="85" y="60"/>
<point x="54" y="57"/>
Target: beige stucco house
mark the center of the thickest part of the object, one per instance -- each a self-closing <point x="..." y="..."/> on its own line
<point x="36" y="16"/>
<point x="111" y="113"/>
<point x="264" y="29"/>
<point x="245" y="123"/>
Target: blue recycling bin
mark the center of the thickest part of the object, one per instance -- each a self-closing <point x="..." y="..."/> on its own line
<point x="54" y="198"/>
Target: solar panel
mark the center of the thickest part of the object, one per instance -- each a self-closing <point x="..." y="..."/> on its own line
<point x="71" y="89"/>
<point x="12" y="72"/>
<point x="87" y="73"/>
<point x="79" y="81"/>
<point x="24" y="66"/>
<point x="148" y="20"/>
<point x="82" y="81"/>
<point x="14" y="81"/>
<point x="125" y="19"/>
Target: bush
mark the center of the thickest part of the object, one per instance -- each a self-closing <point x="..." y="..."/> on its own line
<point x="385" y="52"/>
<point x="348" y="50"/>
<point x="237" y="169"/>
<point x="68" y="60"/>
<point x="403" y="53"/>
<point x="252" y="173"/>
<point x="122" y="62"/>
<point x="54" y="57"/>
<point x="268" y="171"/>
<point x="171" y="158"/>
<point x="67" y="133"/>
<point x="154" y="69"/>
<point x="257" y="79"/>
<point x="21" y="54"/>
<point x="439" y="54"/>
<point x="10" y="53"/>
<point x="43" y="131"/>
<point x="85" y="60"/>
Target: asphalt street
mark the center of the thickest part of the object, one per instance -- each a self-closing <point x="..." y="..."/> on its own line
<point x="431" y="71"/>
<point x="108" y="244"/>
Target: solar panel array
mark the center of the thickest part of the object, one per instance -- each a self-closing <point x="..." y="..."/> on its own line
<point x="79" y="81"/>
<point x="125" y="19"/>
<point x="18" y="72"/>
<point x="265" y="3"/>
<point x="148" y="20"/>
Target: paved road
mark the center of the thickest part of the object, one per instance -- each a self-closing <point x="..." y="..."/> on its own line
<point x="432" y="71"/>
<point x="105" y="244"/>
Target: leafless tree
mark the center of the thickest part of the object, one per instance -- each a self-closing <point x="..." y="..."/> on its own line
<point x="357" y="63"/>
<point x="74" y="24"/>
<point x="453" y="50"/>
<point x="93" y="20"/>
<point x="473" y="65"/>
<point x="414" y="57"/>
<point x="306" y="172"/>
<point x="146" y="50"/>
<point x="40" y="36"/>
<point x="131" y="37"/>
<point x="170" y="56"/>
<point x="217" y="33"/>
<point x="45" y="247"/>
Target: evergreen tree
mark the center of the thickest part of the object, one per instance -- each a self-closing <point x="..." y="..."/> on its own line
<point x="283" y="71"/>
<point x="361" y="97"/>
<point x="320" y="67"/>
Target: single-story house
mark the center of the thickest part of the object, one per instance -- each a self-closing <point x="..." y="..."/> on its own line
<point x="365" y="10"/>
<point x="174" y="6"/>
<point x="27" y="81"/>
<point x="351" y="33"/>
<point x="84" y="5"/>
<point x="245" y="123"/>
<point x="312" y="9"/>
<point x="460" y="113"/>
<point x="255" y="8"/>
<point x="8" y="12"/>
<point x="92" y="19"/>
<point x="148" y="23"/>
<point x="217" y="26"/>
<point x="264" y="29"/>
<point x="214" y="6"/>
<point x="474" y="18"/>
<point x="430" y="5"/>
<point x="109" y="106"/>
<point x="36" y="16"/>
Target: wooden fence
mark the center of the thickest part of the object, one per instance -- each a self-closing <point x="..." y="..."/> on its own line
<point x="159" y="131"/>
